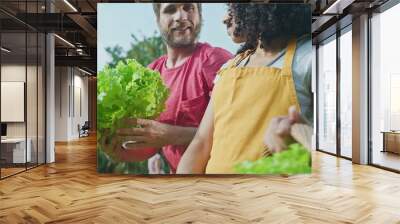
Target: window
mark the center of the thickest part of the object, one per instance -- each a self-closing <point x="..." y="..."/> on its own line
<point x="385" y="89"/>
<point x="327" y="96"/>
<point x="346" y="93"/>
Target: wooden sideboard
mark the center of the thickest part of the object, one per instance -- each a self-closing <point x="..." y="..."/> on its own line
<point x="391" y="141"/>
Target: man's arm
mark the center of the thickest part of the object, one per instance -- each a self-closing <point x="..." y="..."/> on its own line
<point x="196" y="156"/>
<point x="151" y="136"/>
<point x="155" y="134"/>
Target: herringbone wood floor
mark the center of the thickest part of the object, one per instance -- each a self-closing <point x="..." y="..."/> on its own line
<point x="70" y="191"/>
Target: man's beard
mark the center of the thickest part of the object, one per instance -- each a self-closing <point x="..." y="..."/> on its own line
<point x="168" y="37"/>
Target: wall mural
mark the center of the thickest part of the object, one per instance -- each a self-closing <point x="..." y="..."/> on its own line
<point x="190" y="88"/>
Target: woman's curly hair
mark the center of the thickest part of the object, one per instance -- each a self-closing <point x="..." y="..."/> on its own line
<point x="267" y="22"/>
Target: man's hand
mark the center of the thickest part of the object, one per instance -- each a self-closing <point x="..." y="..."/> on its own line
<point x="278" y="135"/>
<point x="151" y="134"/>
<point x="111" y="145"/>
<point x="154" y="134"/>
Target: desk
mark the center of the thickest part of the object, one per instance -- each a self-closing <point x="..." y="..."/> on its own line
<point x="391" y="141"/>
<point x="13" y="150"/>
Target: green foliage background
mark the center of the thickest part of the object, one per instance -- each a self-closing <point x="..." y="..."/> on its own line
<point x="144" y="50"/>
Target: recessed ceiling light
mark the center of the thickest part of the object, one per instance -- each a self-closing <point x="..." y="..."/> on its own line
<point x="5" y="50"/>
<point x="70" y="5"/>
<point x="65" y="41"/>
<point x="337" y="7"/>
<point x="84" y="71"/>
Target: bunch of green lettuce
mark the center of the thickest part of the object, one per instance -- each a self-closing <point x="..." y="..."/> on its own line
<point x="129" y="90"/>
<point x="295" y="160"/>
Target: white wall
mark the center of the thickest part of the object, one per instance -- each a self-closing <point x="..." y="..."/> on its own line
<point x="12" y="100"/>
<point x="16" y="73"/>
<point x="80" y="88"/>
<point x="33" y="127"/>
<point x="61" y="103"/>
<point x="70" y="82"/>
<point x="12" y="73"/>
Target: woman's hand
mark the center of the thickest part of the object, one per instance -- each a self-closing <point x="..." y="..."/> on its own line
<point x="278" y="134"/>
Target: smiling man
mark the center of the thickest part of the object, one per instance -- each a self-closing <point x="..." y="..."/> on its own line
<point x="188" y="69"/>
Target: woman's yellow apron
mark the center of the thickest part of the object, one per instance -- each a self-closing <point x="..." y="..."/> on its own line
<point x="244" y="101"/>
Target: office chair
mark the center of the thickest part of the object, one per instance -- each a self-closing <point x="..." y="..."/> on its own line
<point x="84" y="130"/>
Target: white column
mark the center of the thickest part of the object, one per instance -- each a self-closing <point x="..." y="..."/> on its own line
<point x="360" y="90"/>
<point x="50" y="94"/>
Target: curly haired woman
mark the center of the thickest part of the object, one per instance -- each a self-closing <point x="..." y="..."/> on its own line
<point x="270" y="73"/>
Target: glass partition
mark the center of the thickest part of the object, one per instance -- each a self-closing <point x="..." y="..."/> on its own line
<point x="22" y="77"/>
<point x="13" y="95"/>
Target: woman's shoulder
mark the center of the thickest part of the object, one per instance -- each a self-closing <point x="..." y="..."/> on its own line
<point x="303" y="54"/>
<point x="304" y="42"/>
<point x="232" y="61"/>
<point x="226" y="65"/>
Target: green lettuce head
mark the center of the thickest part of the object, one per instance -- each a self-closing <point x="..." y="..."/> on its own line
<point x="129" y="90"/>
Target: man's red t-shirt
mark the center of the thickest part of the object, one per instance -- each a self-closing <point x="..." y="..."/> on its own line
<point x="190" y="86"/>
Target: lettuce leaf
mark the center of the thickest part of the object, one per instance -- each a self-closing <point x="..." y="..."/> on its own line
<point x="295" y="160"/>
